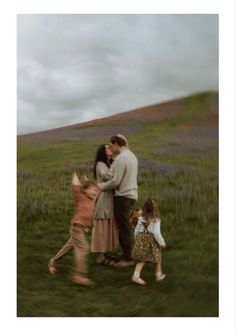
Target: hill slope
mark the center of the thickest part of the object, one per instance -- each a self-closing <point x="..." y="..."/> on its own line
<point x="134" y="120"/>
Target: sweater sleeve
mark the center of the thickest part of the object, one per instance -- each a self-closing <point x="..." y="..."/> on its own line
<point x="104" y="171"/>
<point x="138" y="228"/>
<point x="157" y="233"/>
<point x="118" y="171"/>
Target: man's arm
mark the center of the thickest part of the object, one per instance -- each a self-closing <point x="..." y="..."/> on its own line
<point x="118" y="169"/>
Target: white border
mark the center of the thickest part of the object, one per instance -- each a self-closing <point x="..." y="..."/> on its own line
<point x="123" y="6"/>
<point x="226" y="9"/>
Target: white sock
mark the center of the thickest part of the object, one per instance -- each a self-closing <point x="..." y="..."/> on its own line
<point x="158" y="274"/>
<point x="136" y="274"/>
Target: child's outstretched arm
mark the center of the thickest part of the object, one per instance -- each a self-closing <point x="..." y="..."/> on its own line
<point x="75" y="180"/>
<point x="76" y="186"/>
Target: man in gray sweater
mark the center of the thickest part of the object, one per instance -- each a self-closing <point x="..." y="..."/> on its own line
<point x="124" y="183"/>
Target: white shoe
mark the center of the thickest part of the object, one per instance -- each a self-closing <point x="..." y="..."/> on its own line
<point x="160" y="277"/>
<point x="138" y="280"/>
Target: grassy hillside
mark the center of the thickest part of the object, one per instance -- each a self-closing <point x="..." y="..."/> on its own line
<point x="177" y="147"/>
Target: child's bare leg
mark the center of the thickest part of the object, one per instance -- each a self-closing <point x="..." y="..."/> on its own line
<point x="139" y="266"/>
<point x="159" y="275"/>
<point x="68" y="246"/>
<point x="136" y="276"/>
<point x="158" y="265"/>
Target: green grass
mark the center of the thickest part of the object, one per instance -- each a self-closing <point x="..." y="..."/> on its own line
<point x="179" y="168"/>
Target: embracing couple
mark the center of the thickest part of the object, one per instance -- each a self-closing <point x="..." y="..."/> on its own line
<point x="119" y="193"/>
<point x="106" y="205"/>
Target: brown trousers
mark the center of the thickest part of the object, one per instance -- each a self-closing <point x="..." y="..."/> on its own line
<point x="68" y="246"/>
<point x="122" y="209"/>
<point x="81" y="249"/>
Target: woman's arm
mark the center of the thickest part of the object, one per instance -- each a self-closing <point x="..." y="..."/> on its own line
<point x="103" y="171"/>
<point x="118" y="170"/>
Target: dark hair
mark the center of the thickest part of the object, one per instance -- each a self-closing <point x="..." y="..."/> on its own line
<point x="101" y="156"/>
<point x="150" y="209"/>
<point x="116" y="139"/>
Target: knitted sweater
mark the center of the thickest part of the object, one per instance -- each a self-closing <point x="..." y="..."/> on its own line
<point x="124" y="180"/>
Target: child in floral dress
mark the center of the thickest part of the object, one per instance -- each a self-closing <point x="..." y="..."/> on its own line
<point x="148" y="242"/>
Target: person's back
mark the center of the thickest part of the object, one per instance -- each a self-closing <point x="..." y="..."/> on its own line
<point x="128" y="185"/>
<point x="84" y="205"/>
<point x="148" y="242"/>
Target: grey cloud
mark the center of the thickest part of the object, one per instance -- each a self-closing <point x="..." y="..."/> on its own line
<point x="73" y="68"/>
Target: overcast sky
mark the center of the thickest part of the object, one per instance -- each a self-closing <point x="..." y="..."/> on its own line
<point x="74" y="68"/>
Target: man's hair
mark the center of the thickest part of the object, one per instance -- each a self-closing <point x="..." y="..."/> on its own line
<point x="116" y="139"/>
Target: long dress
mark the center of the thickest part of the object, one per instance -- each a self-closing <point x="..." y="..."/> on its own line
<point x="105" y="232"/>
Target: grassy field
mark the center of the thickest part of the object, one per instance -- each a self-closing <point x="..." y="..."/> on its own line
<point x="178" y="166"/>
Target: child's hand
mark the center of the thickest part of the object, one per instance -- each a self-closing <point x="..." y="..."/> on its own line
<point x="134" y="215"/>
<point x="163" y="246"/>
<point x="86" y="230"/>
<point x="75" y="180"/>
<point x="83" y="178"/>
